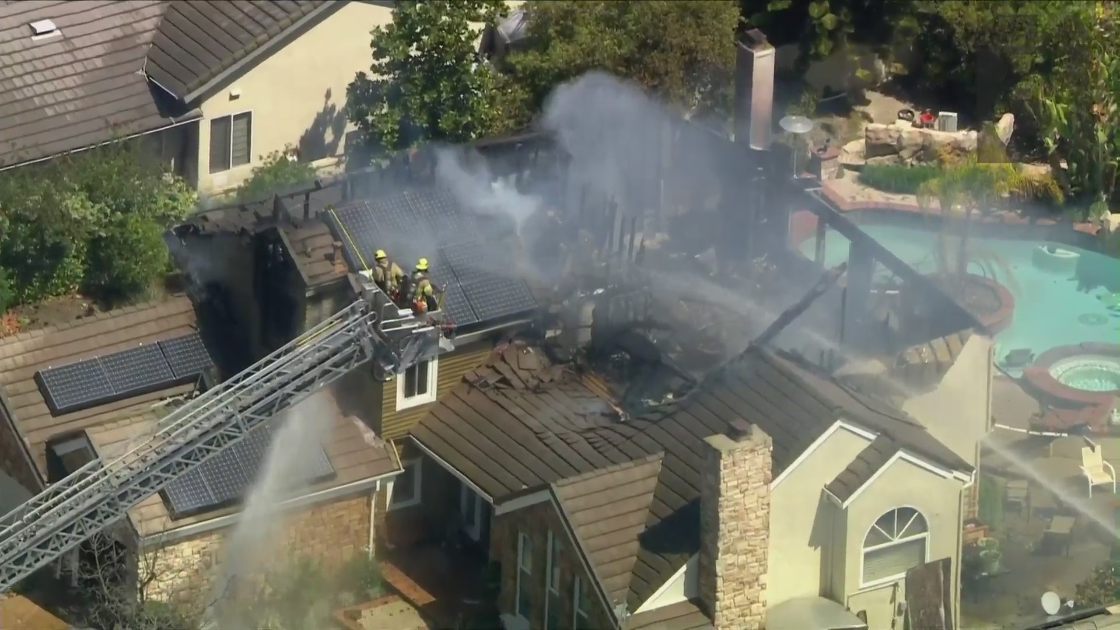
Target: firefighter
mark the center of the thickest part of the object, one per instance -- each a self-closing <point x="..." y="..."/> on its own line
<point x="423" y="291"/>
<point x="387" y="275"/>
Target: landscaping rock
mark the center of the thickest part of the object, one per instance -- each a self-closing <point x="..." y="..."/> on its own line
<point x="910" y="144"/>
<point x="1005" y="127"/>
<point x="851" y="154"/>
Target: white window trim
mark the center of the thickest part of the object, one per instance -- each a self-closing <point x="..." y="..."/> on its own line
<point x="522" y="538"/>
<point x="423" y="399"/>
<point x="252" y="140"/>
<point x="417" y="481"/>
<point x="472" y="529"/>
<point x="551" y="581"/>
<point x="577" y="583"/>
<point x="901" y="541"/>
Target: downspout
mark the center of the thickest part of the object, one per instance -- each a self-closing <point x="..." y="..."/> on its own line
<point x="372" y="518"/>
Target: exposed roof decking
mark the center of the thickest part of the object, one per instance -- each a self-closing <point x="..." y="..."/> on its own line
<point x="104" y="333"/>
<point x="607" y="510"/>
<point x="81" y="88"/>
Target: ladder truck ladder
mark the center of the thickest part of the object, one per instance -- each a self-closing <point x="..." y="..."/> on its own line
<point x="101" y="493"/>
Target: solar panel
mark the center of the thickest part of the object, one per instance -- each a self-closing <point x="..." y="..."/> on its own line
<point x="440" y="271"/>
<point x="456" y="306"/>
<point x="137" y="370"/>
<point x="232" y="471"/>
<point x="186" y="355"/>
<point x="395" y="217"/>
<point x="434" y="205"/>
<point x="495" y="297"/>
<point x="468" y="261"/>
<point x="356" y="228"/>
<point x="187" y="494"/>
<point x="76" y="386"/>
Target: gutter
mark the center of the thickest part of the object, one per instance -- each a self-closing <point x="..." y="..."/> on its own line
<point x="192" y="116"/>
<point x="321" y="11"/>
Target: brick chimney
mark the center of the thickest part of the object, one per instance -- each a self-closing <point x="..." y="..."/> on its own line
<point x="735" y="527"/>
<point x="754" y="90"/>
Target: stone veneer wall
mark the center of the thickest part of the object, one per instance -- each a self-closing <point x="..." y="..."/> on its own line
<point x="536" y="521"/>
<point x="735" y="529"/>
<point x="330" y="533"/>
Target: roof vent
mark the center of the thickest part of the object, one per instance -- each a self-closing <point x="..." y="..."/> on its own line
<point x="739" y="430"/>
<point x="43" y="28"/>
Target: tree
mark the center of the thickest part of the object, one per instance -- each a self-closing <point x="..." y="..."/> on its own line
<point x="965" y="188"/>
<point x="425" y="83"/>
<point x="110" y="199"/>
<point x="277" y="173"/>
<point x="683" y="51"/>
<point x="1079" y="117"/>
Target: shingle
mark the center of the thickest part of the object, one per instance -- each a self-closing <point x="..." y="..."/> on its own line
<point x="869" y="461"/>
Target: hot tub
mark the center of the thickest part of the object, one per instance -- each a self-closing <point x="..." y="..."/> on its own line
<point x="1088" y="373"/>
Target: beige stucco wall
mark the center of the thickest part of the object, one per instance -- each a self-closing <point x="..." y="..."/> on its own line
<point x="329" y="533"/>
<point x="301" y="85"/>
<point x="902" y="484"/>
<point x="801" y="520"/>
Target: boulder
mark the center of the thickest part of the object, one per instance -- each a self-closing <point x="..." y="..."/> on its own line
<point x="911" y="144"/>
<point x="1005" y="127"/>
<point x="851" y="154"/>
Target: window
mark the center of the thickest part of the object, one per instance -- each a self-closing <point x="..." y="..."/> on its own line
<point x="524" y="601"/>
<point x="231" y="141"/>
<point x="405" y="489"/>
<point x="896" y="543"/>
<point x="552" y="584"/>
<point x="581" y="605"/>
<point x="417" y="386"/>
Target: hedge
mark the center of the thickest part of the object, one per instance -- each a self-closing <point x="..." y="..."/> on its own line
<point x="900" y="180"/>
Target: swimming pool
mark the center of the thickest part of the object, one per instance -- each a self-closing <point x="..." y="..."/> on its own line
<point x="1050" y="311"/>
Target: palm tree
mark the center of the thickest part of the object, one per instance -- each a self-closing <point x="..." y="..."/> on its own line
<point x="975" y="185"/>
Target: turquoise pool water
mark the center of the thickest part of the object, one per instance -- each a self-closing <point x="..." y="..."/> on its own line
<point x="1050" y="310"/>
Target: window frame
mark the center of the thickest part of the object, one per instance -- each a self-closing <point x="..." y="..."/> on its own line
<point x="524" y="574"/>
<point x="577" y="602"/>
<point x="552" y="579"/>
<point x="252" y="142"/>
<point x="417" y="483"/>
<point x="428" y="397"/>
<point x="893" y="542"/>
<point x="468" y="497"/>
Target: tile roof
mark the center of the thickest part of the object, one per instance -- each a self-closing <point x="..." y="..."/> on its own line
<point x="104" y="333"/>
<point x="355" y="452"/>
<point x="607" y="510"/>
<point x="869" y="461"/>
<point x="90" y="84"/>
<point x="684" y="615"/>
<point x="519" y="422"/>
<point x="80" y="88"/>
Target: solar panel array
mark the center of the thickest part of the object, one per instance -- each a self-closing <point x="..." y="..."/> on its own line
<point x="227" y="477"/>
<point x="471" y="270"/>
<point x="139" y="370"/>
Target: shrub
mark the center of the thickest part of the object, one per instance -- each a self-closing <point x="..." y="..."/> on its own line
<point x="276" y="174"/>
<point x="899" y="180"/>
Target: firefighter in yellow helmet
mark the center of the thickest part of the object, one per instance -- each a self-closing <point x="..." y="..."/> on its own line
<point x="387" y="275"/>
<point x="423" y="291"/>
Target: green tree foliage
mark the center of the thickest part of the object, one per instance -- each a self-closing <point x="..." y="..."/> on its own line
<point x="112" y="201"/>
<point x="684" y="51"/>
<point x="276" y="174"/>
<point x="425" y="83"/>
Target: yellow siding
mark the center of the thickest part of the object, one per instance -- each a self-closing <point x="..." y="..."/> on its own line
<point x="452" y="367"/>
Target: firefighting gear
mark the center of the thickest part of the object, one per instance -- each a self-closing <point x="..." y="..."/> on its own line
<point x="422" y="264"/>
<point x="387" y="275"/>
<point x="423" y="291"/>
<point x="380" y="255"/>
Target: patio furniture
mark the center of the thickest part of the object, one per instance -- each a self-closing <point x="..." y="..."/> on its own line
<point x="1097" y="471"/>
<point x="1060" y="532"/>
<point x="1017" y="495"/>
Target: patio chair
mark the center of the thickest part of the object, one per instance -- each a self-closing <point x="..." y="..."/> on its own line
<point x="1097" y="471"/>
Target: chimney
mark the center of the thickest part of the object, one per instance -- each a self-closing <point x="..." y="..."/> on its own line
<point x="336" y="257"/>
<point x="735" y="527"/>
<point x="754" y="90"/>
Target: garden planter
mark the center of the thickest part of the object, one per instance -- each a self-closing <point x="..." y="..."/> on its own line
<point x="990" y="561"/>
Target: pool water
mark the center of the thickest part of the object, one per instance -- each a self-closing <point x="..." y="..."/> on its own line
<point x="1089" y="376"/>
<point x="1050" y="311"/>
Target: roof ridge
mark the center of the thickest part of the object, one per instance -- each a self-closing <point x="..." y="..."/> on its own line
<point x="611" y="469"/>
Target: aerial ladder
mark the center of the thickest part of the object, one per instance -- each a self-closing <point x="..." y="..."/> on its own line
<point x="372" y="329"/>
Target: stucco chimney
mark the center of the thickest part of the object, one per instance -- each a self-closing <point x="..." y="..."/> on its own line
<point x="735" y="527"/>
<point x="754" y="90"/>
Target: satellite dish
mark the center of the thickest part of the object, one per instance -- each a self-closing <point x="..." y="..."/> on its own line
<point x="796" y="124"/>
<point x="1051" y="603"/>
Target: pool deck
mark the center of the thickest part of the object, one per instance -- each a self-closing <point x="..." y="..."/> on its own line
<point x="849" y="195"/>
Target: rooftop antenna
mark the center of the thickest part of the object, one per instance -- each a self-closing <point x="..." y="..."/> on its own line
<point x="799" y="126"/>
<point x="1052" y="603"/>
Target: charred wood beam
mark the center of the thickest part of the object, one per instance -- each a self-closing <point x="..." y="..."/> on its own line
<point x="830" y="277"/>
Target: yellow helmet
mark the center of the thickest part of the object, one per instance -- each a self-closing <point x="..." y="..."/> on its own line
<point x="422" y="264"/>
<point x="379" y="255"/>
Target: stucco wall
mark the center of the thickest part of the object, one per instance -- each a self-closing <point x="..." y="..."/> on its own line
<point x="801" y="520"/>
<point x="537" y="521"/>
<point x="902" y="485"/>
<point x="299" y="92"/>
<point x="330" y="533"/>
